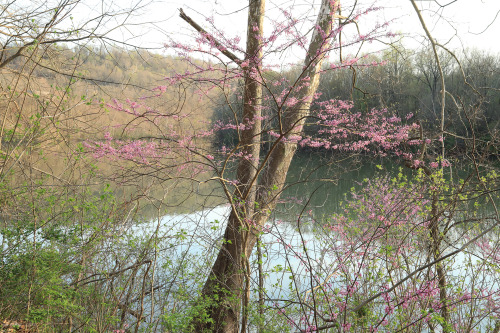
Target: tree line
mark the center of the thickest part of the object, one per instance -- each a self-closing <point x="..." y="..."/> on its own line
<point x="406" y="82"/>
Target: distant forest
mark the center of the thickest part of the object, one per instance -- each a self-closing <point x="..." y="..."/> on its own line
<point x="404" y="81"/>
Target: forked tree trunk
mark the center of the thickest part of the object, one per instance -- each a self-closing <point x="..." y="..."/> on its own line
<point x="256" y="198"/>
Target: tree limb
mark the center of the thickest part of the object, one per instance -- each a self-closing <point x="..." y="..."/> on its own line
<point x="209" y="37"/>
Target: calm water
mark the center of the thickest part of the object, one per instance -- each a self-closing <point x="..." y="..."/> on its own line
<point x="185" y="240"/>
<point x="284" y="264"/>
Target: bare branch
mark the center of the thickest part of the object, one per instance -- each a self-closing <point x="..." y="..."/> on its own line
<point x="209" y="37"/>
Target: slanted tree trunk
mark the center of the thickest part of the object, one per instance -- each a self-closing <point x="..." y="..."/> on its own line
<point x="255" y="197"/>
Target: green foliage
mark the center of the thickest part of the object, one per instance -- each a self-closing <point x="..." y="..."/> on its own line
<point x="35" y="281"/>
<point x="45" y="253"/>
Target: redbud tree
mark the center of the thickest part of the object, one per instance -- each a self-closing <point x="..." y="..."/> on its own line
<point x="372" y="279"/>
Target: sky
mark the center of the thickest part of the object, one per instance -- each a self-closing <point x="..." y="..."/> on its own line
<point x="457" y="24"/>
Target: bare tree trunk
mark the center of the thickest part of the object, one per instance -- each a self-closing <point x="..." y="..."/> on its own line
<point x="441" y="74"/>
<point x="224" y="288"/>
<point x="293" y="119"/>
<point x="434" y="225"/>
<point x="261" y="286"/>
<point x="440" y="270"/>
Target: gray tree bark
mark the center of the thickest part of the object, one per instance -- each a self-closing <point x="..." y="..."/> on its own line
<point x="256" y="197"/>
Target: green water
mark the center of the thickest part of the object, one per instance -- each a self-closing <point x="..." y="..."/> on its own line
<point x="314" y="183"/>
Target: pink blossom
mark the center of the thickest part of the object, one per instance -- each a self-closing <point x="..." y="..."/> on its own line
<point x="347" y="326"/>
<point x="417" y="163"/>
<point x="445" y="163"/>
